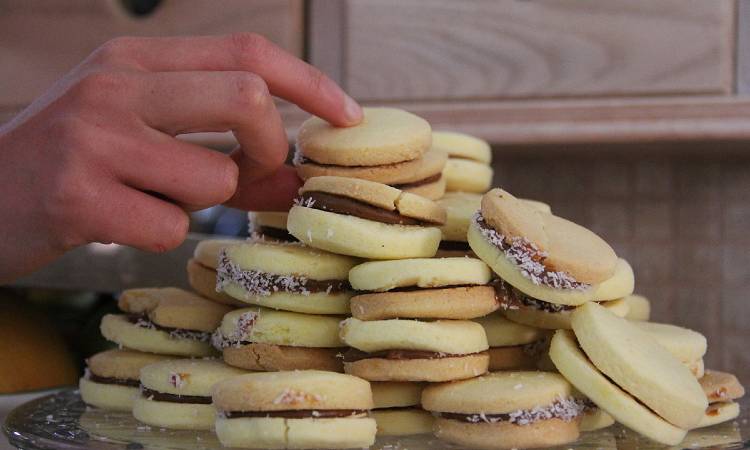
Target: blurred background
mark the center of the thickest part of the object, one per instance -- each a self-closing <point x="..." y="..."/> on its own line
<point x="631" y="117"/>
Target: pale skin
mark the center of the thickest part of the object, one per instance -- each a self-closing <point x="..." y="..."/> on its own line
<point x="95" y="159"/>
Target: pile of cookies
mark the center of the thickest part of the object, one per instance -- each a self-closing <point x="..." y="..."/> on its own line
<point x="382" y="305"/>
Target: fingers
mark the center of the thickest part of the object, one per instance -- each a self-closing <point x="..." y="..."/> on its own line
<point x="129" y="217"/>
<point x="287" y="76"/>
<point x="276" y="192"/>
<point x="179" y="102"/>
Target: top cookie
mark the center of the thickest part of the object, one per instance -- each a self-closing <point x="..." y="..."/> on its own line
<point x="569" y="248"/>
<point x="174" y="308"/>
<point x="207" y="251"/>
<point x="381" y="276"/>
<point x="385" y="136"/>
<point x="121" y="363"/>
<point x="460" y="145"/>
<point x="186" y="376"/>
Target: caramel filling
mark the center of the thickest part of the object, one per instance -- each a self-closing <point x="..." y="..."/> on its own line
<point x="174" y="398"/>
<point x="353" y="355"/>
<point x="339" y="204"/>
<point x="111" y="380"/>
<point x="511" y="298"/>
<point x="418" y="183"/>
<point x="565" y="409"/>
<point x="143" y="321"/>
<point x="457" y="246"/>
<point x="278" y="234"/>
<point x="298" y="414"/>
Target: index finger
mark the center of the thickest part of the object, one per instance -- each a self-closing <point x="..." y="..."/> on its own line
<point x="286" y="75"/>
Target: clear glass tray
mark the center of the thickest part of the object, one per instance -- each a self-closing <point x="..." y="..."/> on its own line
<point x="62" y="421"/>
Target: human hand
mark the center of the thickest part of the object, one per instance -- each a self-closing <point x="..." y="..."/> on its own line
<point x="95" y="159"/>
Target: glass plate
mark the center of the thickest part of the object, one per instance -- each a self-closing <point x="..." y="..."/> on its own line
<point x="63" y="421"/>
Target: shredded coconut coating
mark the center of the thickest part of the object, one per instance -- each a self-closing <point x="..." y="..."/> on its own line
<point x="565" y="409"/>
<point x="257" y="283"/>
<point x="528" y="258"/>
<point x="241" y="334"/>
<point x="176" y="333"/>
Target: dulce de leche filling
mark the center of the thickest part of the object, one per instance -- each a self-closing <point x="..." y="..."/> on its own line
<point x="278" y="234"/>
<point x="174" y="398"/>
<point x="111" y="380"/>
<point x="298" y="413"/>
<point x="353" y="355"/>
<point x="142" y="321"/>
<point x="511" y="298"/>
<point x="263" y="284"/>
<point x="339" y="204"/>
<point x="565" y="409"/>
<point x="422" y="182"/>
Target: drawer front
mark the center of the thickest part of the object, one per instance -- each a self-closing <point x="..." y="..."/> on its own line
<point x="477" y="49"/>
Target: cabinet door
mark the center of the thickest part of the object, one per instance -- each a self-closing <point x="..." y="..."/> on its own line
<point x="483" y="49"/>
<point x="42" y="39"/>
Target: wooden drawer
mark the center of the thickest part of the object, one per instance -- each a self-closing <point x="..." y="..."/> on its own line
<point x="477" y="49"/>
<point x="42" y="39"/>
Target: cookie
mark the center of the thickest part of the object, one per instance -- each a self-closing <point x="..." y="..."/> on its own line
<point x="504" y="410"/>
<point x="381" y="276"/>
<point x="635" y="361"/>
<point x="269" y="340"/>
<point x="299" y="409"/>
<point x="513" y="346"/>
<point x="366" y="219"/>
<point x="111" y="378"/>
<point x="556" y="317"/>
<point x="463" y="175"/>
<point x="462" y="146"/>
<point x="717" y="413"/>
<point x="290" y="277"/>
<point x="169" y="321"/>
<point x="269" y="225"/>
<point x="463" y="302"/>
<point x="595" y="419"/>
<point x="411" y="350"/>
<point x="686" y="345"/>
<point x="207" y="252"/>
<point x="397" y="409"/>
<point x="201" y="269"/>
<point x="177" y="394"/>
<point x="721" y="390"/>
<point x="384" y="136"/>
<point x="639" y="307"/>
<point x="576" y="367"/>
<point x="432" y="188"/>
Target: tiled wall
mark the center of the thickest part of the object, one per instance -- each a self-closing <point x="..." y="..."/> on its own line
<point x="683" y="223"/>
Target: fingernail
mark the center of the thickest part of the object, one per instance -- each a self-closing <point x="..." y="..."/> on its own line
<point x="353" y="110"/>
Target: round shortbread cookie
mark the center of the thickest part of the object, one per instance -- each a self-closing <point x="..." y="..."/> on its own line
<point x="685" y="344"/>
<point x="557" y="320"/>
<point x="118" y="329"/>
<point x="575" y="366"/>
<point x="207" y="251"/>
<point x="383" y="276"/>
<point x="431" y="370"/>
<point x="431" y="191"/>
<point x="464" y="175"/>
<point x="415" y="170"/>
<point x="273" y="219"/>
<point x="379" y="195"/>
<point x="465" y="302"/>
<point x="121" y="363"/>
<point x="717" y="413"/>
<point x="639" y="307"/>
<point x="512" y="358"/>
<point x="311" y="303"/>
<point x="271" y="358"/>
<point x="462" y="145"/>
<point x="721" y="386"/>
<point x="595" y="419"/>
<point x="392" y="394"/>
<point x="276" y="432"/>
<point x="177" y="416"/>
<point x="459" y="208"/>
<point x="267" y="326"/>
<point x="353" y="236"/>
<point x="403" y="422"/>
<point x="384" y="136"/>
<point x="203" y="281"/>
<point x="107" y="396"/>
<point x="697" y="368"/>
<point x="454" y="337"/>
<point x="570" y="248"/>
<point x="634" y="360"/>
<point x="497" y="393"/>
<point x="503" y="332"/>
<point x="293" y="390"/>
<point x="173" y="308"/>
<point x="505" y="436"/>
<point x="619" y="285"/>
<point x="194" y="377"/>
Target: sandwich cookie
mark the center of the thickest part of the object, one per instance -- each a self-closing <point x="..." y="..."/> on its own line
<point x="505" y="410"/>
<point x="550" y="260"/>
<point x="468" y="167"/>
<point x="177" y="394"/>
<point x="624" y="371"/>
<point x="291" y="277"/>
<point x="300" y="409"/>
<point x="169" y="321"/>
<point x="366" y="219"/>
<point x="513" y="346"/>
<point x="422" y="288"/>
<point x="639" y="307"/>
<point x="269" y="340"/>
<point x="201" y="270"/>
<point x="111" y="380"/>
<point x="269" y="225"/>
<point x="721" y="390"/>
<point x="686" y="345"/>
<point x="397" y="409"/>
<point x="412" y="350"/>
<point x="389" y="146"/>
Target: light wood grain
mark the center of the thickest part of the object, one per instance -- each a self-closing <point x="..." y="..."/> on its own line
<point x="40" y="40"/>
<point x="478" y="49"/>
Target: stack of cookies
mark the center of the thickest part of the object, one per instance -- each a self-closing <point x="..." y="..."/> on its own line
<point x="468" y="168"/>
